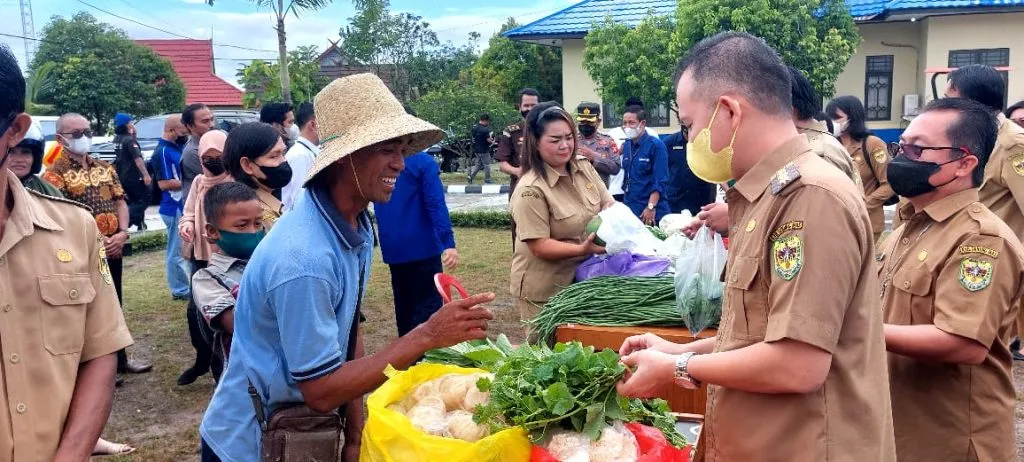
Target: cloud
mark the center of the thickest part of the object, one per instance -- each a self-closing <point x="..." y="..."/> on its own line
<point x="200" y="2"/>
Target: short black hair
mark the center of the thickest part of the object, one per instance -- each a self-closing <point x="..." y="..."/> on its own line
<point x="805" y="100"/>
<point x="1009" y="110"/>
<point x="485" y="116"/>
<point x="250" y="140"/>
<point x="12" y="87"/>
<point x="188" y="115"/>
<point x="272" y="113"/>
<point x="526" y="92"/>
<point x="220" y="196"/>
<point x="980" y="83"/>
<point x="641" y="113"/>
<point x="976" y="129"/>
<point x="121" y="130"/>
<point x="304" y="114"/>
<point x="856" y="116"/>
<point x="634" y="101"/>
<point x="739" y="63"/>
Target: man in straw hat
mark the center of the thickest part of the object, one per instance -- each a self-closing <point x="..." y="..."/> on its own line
<point x="296" y="320"/>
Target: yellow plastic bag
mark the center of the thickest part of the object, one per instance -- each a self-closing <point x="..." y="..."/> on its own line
<point x="390" y="437"/>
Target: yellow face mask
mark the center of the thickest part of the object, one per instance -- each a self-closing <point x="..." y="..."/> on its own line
<point x="710" y="166"/>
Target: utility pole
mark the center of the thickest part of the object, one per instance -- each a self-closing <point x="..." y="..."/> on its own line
<point x="28" y="30"/>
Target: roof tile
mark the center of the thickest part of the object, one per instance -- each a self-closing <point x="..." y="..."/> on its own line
<point x="192" y="60"/>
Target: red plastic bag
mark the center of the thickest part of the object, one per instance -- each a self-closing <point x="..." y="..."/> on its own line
<point x="539" y="454"/>
<point x="654" y="447"/>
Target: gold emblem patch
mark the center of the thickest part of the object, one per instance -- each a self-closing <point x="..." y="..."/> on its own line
<point x="751" y="225"/>
<point x="975" y="274"/>
<point x="64" y="256"/>
<point x="104" y="269"/>
<point x="1018" y="163"/>
<point x="923" y="255"/>
<point x="788" y="257"/>
<point x="879" y="156"/>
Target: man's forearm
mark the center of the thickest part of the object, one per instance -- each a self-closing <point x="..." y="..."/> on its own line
<point x="655" y="197"/>
<point x="786" y="366"/>
<point x="141" y="165"/>
<point x="169" y="185"/>
<point x="354" y="419"/>
<point x="927" y="342"/>
<point x="90" y="408"/>
<point x="122" y="214"/>
<point x="702" y="346"/>
<point x="508" y="168"/>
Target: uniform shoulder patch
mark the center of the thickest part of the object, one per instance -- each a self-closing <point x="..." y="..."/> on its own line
<point x="880" y="156"/>
<point x="787" y="256"/>
<point x="59" y="199"/>
<point x="1017" y="161"/>
<point x="975" y="274"/>
<point x="784" y="177"/>
<point x="529" y="192"/>
<point x="785" y="228"/>
<point x="978" y="249"/>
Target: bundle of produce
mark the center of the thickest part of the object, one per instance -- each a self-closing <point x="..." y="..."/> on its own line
<point x="610" y="301"/>
<point x="544" y="390"/>
<point x="444" y="407"/>
<point x="698" y="287"/>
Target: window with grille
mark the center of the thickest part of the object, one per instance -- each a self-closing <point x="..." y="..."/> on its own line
<point x="878" y="87"/>
<point x="657" y="117"/>
<point x="995" y="57"/>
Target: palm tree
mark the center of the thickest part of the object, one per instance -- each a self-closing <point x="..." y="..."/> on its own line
<point x="280" y="12"/>
<point x="39" y="86"/>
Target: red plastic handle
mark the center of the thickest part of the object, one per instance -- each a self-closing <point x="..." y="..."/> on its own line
<point x="444" y="284"/>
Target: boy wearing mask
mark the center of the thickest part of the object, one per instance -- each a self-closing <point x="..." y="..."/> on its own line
<point x="234" y="224"/>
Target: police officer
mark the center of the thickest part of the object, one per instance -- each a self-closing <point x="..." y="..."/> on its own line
<point x="950" y="369"/>
<point x="510" y="144"/>
<point x="1002" y="189"/>
<point x="61" y="321"/>
<point x="797" y="372"/>
<point x="598" y="148"/>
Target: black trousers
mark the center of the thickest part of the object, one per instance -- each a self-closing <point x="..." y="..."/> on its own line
<point x="416" y="298"/>
<point x="116" y="266"/>
<point x="201" y="335"/>
<point x="137" y="213"/>
<point x="206" y="454"/>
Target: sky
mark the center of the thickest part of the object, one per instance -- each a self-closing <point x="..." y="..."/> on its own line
<point x="242" y="23"/>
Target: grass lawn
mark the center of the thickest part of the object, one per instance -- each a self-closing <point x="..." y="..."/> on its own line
<point x="459" y="178"/>
<point x="162" y="419"/>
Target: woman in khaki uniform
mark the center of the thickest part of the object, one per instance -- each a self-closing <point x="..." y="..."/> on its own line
<point x="869" y="153"/>
<point x="556" y="197"/>
<point x="254" y="155"/>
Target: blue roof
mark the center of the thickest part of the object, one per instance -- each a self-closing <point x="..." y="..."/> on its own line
<point x="577" y="19"/>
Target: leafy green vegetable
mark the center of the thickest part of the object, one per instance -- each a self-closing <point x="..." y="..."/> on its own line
<point x="657" y="232"/>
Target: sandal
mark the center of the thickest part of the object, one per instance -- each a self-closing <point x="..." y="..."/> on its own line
<point x="107" y="448"/>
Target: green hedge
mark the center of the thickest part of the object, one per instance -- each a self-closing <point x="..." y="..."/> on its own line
<point x="149" y="240"/>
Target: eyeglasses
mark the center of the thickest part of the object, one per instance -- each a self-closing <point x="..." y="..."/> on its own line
<point x="77" y="134"/>
<point x="914" y="152"/>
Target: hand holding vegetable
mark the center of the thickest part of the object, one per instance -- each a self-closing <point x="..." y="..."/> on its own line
<point x="650" y="372"/>
<point x="647" y="341"/>
<point x="588" y="247"/>
<point x="456" y="322"/>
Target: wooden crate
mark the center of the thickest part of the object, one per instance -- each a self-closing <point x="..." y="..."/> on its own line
<point x="679" y="399"/>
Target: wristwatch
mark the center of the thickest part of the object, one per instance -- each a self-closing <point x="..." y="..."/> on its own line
<point x="650" y="205"/>
<point x="682" y="376"/>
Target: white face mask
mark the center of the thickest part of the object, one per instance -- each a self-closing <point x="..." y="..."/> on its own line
<point x="839" y="127"/>
<point x="80" y="146"/>
<point x="293" y="132"/>
<point x="631" y="132"/>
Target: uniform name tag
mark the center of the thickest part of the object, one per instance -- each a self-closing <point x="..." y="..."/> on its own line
<point x="786" y="227"/>
<point x="966" y="249"/>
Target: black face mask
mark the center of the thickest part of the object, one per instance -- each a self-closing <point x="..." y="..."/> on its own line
<point x="215" y="166"/>
<point x="524" y="113"/>
<point x="277" y="177"/>
<point x="909" y="178"/>
<point x="181" y="140"/>
<point x="588" y="130"/>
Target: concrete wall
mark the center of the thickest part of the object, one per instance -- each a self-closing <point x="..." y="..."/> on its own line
<point x="977" y="31"/>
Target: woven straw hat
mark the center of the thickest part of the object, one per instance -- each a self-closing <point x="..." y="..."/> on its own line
<point x="359" y="111"/>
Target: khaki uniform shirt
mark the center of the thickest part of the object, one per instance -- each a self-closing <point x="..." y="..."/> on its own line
<point x="58" y="309"/>
<point x="830" y="149"/>
<point x="94" y="183"/>
<point x="510" y="148"/>
<point x="272" y="208"/>
<point x="558" y="207"/>
<point x="959" y="267"/>
<point x="873" y="178"/>
<point x="801" y="267"/>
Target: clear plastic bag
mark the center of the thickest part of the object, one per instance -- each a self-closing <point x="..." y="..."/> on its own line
<point x="698" y="282"/>
<point x="621" y="231"/>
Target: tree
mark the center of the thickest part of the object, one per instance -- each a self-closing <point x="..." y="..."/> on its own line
<point x="388" y="42"/>
<point x="430" y="69"/>
<point x="816" y="36"/>
<point x="261" y="81"/>
<point x="280" y="13"/>
<point x="627" y="62"/>
<point x="508" y="66"/>
<point x="97" y="71"/>
<point x="39" y="90"/>
<point x="455" y="107"/>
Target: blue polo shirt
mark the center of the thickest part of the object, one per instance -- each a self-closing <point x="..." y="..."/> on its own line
<point x="684" y="190"/>
<point x="415" y="225"/>
<point x="296" y="304"/>
<point x="166" y="161"/>
<point x="645" y="163"/>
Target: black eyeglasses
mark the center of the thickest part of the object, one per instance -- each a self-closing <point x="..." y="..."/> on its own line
<point x="77" y="134"/>
<point x="914" y="152"/>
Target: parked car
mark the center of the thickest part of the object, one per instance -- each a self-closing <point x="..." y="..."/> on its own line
<point x="149" y="130"/>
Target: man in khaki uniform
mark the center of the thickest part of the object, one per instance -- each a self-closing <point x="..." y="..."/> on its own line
<point x="807" y="103"/>
<point x="510" y="145"/>
<point x="61" y="323"/>
<point x="797" y="371"/>
<point x="952" y="278"/>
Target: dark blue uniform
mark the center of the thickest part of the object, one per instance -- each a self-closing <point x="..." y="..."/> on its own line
<point x="645" y="162"/>
<point x="685" y="191"/>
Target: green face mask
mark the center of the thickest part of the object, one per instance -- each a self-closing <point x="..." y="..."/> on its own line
<point x="239" y="245"/>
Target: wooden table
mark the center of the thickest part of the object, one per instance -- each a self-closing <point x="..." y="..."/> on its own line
<point x="679" y="399"/>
